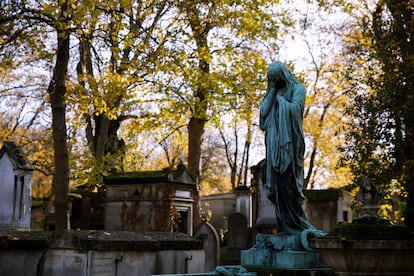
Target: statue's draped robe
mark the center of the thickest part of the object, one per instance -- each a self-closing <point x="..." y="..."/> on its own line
<point x="282" y="120"/>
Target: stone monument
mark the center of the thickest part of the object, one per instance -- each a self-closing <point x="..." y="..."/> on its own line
<point x="370" y="197"/>
<point x="281" y="117"/>
<point x="211" y="244"/>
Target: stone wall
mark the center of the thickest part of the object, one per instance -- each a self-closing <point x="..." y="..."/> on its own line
<point x="90" y="253"/>
<point x="220" y="207"/>
<point x="326" y="208"/>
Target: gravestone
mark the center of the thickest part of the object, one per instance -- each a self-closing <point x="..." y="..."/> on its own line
<point x="238" y="235"/>
<point x="211" y="244"/>
<point x="237" y="239"/>
<point x="244" y="202"/>
<point x="265" y="214"/>
<point x="15" y="188"/>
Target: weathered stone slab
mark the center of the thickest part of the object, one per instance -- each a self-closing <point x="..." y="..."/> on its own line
<point x="65" y="262"/>
<point x="102" y="266"/>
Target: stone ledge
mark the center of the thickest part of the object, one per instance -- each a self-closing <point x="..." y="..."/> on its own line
<point x="98" y="240"/>
<point x="335" y="243"/>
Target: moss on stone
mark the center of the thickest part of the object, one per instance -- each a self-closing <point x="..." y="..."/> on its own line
<point x="370" y="229"/>
<point x="322" y="195"/>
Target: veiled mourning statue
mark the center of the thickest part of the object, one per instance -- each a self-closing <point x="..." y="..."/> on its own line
<point x="281" y="117"/>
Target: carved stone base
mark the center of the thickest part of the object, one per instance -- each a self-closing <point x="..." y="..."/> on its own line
<point x="281" y="252"/>
<point x="282" y="260"/>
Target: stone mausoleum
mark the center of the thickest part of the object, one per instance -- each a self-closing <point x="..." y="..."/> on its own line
<point x="150" y="201"/>
<point x="15" y="188"/>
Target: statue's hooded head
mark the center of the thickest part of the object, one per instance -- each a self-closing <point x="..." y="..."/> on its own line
<point x="278" y="71"/>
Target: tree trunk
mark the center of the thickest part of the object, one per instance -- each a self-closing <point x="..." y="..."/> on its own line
<point x="101" y="132"/>
<point x="195" y="133"/>
<point x="57" y="90"/>
<point x="200" y="29"/>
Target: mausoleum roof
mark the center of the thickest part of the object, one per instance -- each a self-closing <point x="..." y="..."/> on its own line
<point x="16" y="155"/>
<point x="179" y="175"/>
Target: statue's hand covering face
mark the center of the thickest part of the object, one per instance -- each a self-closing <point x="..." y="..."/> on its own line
<point x="276" y="77"/>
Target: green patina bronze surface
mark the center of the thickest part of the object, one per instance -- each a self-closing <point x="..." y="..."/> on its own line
<point x="281" y="117"/>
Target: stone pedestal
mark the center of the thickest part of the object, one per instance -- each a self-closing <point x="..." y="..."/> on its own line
<point x="281" y="252"/>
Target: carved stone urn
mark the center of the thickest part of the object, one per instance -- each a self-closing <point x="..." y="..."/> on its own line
<point x="369" y="245"/>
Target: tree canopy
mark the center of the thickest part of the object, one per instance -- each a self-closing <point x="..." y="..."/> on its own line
<point x="380" y="142"/>
<point x="138" y="85"/>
